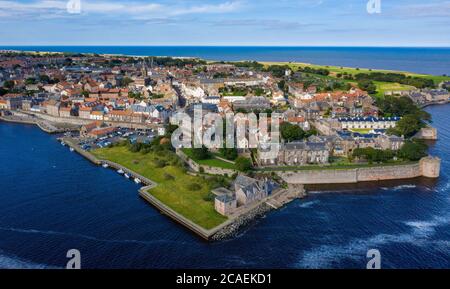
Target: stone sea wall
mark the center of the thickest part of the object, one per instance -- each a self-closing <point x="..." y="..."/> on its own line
<point x="427" y="167"/>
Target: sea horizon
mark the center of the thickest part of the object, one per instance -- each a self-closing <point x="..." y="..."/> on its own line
<point x="424" y="60"/>
<point x="225" y="45"/>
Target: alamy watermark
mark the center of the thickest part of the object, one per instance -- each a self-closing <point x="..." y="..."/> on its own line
<point x="73" y="6"/>
<point x="374" y="257"/>
<point x="241" y="131"/>
<point x="74" y="262"/>
<point x="374" y="6"/>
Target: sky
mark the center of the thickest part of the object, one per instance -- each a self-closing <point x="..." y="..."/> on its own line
<point x="226" y="22"/>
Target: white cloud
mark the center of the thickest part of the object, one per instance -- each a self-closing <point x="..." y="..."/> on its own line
<point x="441" y="9"/>
<point x="220" y="8"/>
<point x="135" y="10"/>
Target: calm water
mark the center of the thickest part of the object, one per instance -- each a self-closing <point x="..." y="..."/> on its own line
<point x="421" y="60"/>
<point x="52" y="200"/>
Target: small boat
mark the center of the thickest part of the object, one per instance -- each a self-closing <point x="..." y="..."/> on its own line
<point x="120" y="172"/>
<point x="72" y="149"/>
<point x="105" y="166"/>
<point x="137" y="181"/>
<point x="63" y="143"/>
<point x="127" y="176"/>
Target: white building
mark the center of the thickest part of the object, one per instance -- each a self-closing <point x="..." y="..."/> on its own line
<point x="350" y="123"/>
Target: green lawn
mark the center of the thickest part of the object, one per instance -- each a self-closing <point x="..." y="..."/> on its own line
<point x="174" y="191"/>
<point x="212" y="162"/>
<point x="382" y="87"/>
<point x="361" y="130"/>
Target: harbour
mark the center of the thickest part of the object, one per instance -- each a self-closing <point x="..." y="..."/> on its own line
<point x="394" y="208"/>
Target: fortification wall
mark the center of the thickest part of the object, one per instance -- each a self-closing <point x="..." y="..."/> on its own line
<point x="309" y="177"/>
<point x="389" y="173"/>
<point x="427" y="167"/>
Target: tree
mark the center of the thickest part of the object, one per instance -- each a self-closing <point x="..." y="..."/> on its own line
<point x="291" y="132"/>
<point x="408" y="126"/>
<point x="44" y="78"/>
<point x="126" y="81"/>
<point x="243" y="164"/>
<point x="135" y="95"/>
<point x="419" y="82"/>
<point x="200" y="153"/>
<point x="229" y="153"/>
<point x="9" y="84"/>
<point x="30" y="80"/>
<point x="374" y="155"/>
<point x="170" y="129"/>
<point x="368" y="86"/>
<point x="400" y="106"/>
<point x="282" y="85"/>
<point x="413" y="150"/>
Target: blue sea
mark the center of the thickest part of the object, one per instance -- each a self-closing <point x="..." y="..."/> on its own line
<point x="420" y="60"/>
<point x="53" y="200"/>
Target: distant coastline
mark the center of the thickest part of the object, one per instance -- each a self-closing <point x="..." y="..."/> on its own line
<point x="431" y="60"/>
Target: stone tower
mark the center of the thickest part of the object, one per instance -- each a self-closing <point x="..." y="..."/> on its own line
<point x="430" y="167"/>
<point x="427" y="133"/>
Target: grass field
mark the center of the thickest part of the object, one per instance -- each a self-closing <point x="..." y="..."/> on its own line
<point x="382" y="87"/>
<point x="173" y="185"/>
<point x="352" y="70"/>
<point x="212" y="162"/>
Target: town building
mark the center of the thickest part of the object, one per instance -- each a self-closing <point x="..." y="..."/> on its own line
<point x="349" y="123"/>
<point x="96" y="129"/>
<point x="252" y="103"/>
<point x="295" y="154"/>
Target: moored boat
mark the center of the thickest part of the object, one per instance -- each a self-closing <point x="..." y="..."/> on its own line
<point x="127" y="176"/>
<point x="137" y="181"/>
<point x="120" y="172"/>
<point x="105" y="166"/>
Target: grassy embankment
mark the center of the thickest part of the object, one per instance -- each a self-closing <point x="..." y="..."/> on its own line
<point x="174" y="185"/>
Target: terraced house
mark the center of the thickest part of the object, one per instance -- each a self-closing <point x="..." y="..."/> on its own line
<point x="296" y="154"/>
<point x="350" y="123"/>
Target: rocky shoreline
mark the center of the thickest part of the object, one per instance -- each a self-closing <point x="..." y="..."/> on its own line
<point x="241" y="222"/>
